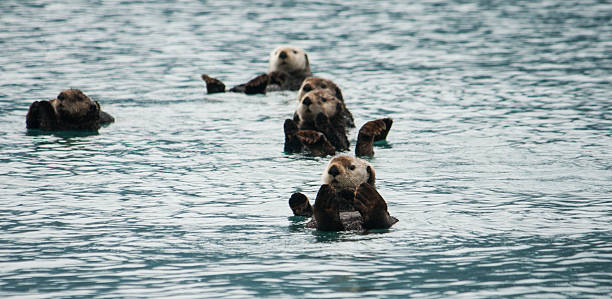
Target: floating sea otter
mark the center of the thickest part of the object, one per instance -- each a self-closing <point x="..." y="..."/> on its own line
<point x="317" y="83"/>
<point x="318" y="111"/>
<point x="288" y="67"/>
<point x="71" y="110"/>
<point x="347" y="200"/>
<point x="321" y="120"/>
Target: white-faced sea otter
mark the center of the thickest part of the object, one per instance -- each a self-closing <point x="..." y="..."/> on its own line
<point x="347" y="200"/>
<point x="288" y="67"/>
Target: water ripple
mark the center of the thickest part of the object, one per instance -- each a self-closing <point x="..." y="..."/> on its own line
<point x="498" y="164"/>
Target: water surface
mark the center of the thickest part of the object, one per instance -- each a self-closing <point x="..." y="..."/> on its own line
<point x="498" y="164"/>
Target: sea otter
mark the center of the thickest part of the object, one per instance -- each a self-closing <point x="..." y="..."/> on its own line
<point x="315" y="102"/>
<point x="320" y="111"/>
<point x="71" y="110"/>
<point x="288" y="67"/>
<point x="348" y="185"/>
<point x="317" y="83"/>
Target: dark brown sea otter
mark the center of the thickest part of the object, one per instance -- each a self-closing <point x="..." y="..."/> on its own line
<point x="71" y="110"/>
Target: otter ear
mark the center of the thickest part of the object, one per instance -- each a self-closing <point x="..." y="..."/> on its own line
<point x="372" y="178"/>
<point x="339" y="94"/>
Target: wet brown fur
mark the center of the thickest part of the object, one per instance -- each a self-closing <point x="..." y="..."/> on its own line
<point x="312" y="141"/>
<point x="71" y="110"/>
<point x="370" y="132"/>
<point x="372" y="212"/>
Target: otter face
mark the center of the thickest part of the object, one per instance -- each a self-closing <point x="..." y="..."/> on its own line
<point x="314" y="83"/>
<point x="315" y="102"/>
<point x="288" y="59"/>
<point x="74" y="104"/>
<point x="346" y="172"/>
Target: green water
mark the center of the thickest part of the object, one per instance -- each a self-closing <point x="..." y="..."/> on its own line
<point x="498" y="164"/>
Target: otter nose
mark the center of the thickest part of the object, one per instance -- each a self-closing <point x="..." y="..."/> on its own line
<point x="334" y="170"/>
<point x="282" y="55"/>
<point x="307" y="101"/>
<point x="92" y="107"/>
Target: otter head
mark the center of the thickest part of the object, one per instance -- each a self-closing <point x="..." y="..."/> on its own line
<point x="314" y="83"/>
<point x="289" y="59"/>
<point x="315" y="102"/>
<point x="346" y="172"/>
<point x="74" y="105"/>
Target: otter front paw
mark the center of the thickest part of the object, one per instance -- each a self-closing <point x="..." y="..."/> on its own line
<point x="372" y="207"/>
<point x="316" y="142"/>
<point x="300" y="205"/>
<point x="292" y="143"/>
<point x="257" y="84"/>
<point x="371" y="131"/>
<point x="326" y="212"/>
<point x="213" y="85"/>
<point x="41" y="116"/>
<point x="335" y="134"/>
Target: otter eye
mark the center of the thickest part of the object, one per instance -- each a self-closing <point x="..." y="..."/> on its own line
<point x="294" y="52"/>
<point x="324" y="100"/>
<point x="352" y="167"/>
<point x="307" y="87"/>
<point x="61" y="97"/>
<point x="323" y="86"/>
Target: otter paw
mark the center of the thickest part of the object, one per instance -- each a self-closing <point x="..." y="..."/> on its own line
<point x="292" y="143"/>
<point x="326" y="212"/>
<point x="106" y="118"/>
<point x="335" y="134"/>
<point x="372" y="208"/>
<point x="41" y="115"/>
<point x="300" y="205"/>
<point x="371" y="131"/>
<point x="316" y="142"/>
<point x="278" y="77"/>
<point x="257" y="84"/>
<point x="213" y="85"/>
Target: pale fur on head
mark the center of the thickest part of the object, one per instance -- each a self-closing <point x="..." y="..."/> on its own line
<point x="315" y="102"/>
<point x="350" y="173"/>
<point x="289" y="59"/>
<point x="314" y="83"/>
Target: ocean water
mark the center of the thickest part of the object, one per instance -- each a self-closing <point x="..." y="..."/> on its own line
<point x="498" y="165"/>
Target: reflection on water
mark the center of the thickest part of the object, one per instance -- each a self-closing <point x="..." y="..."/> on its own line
<point x="497" y="165"/>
